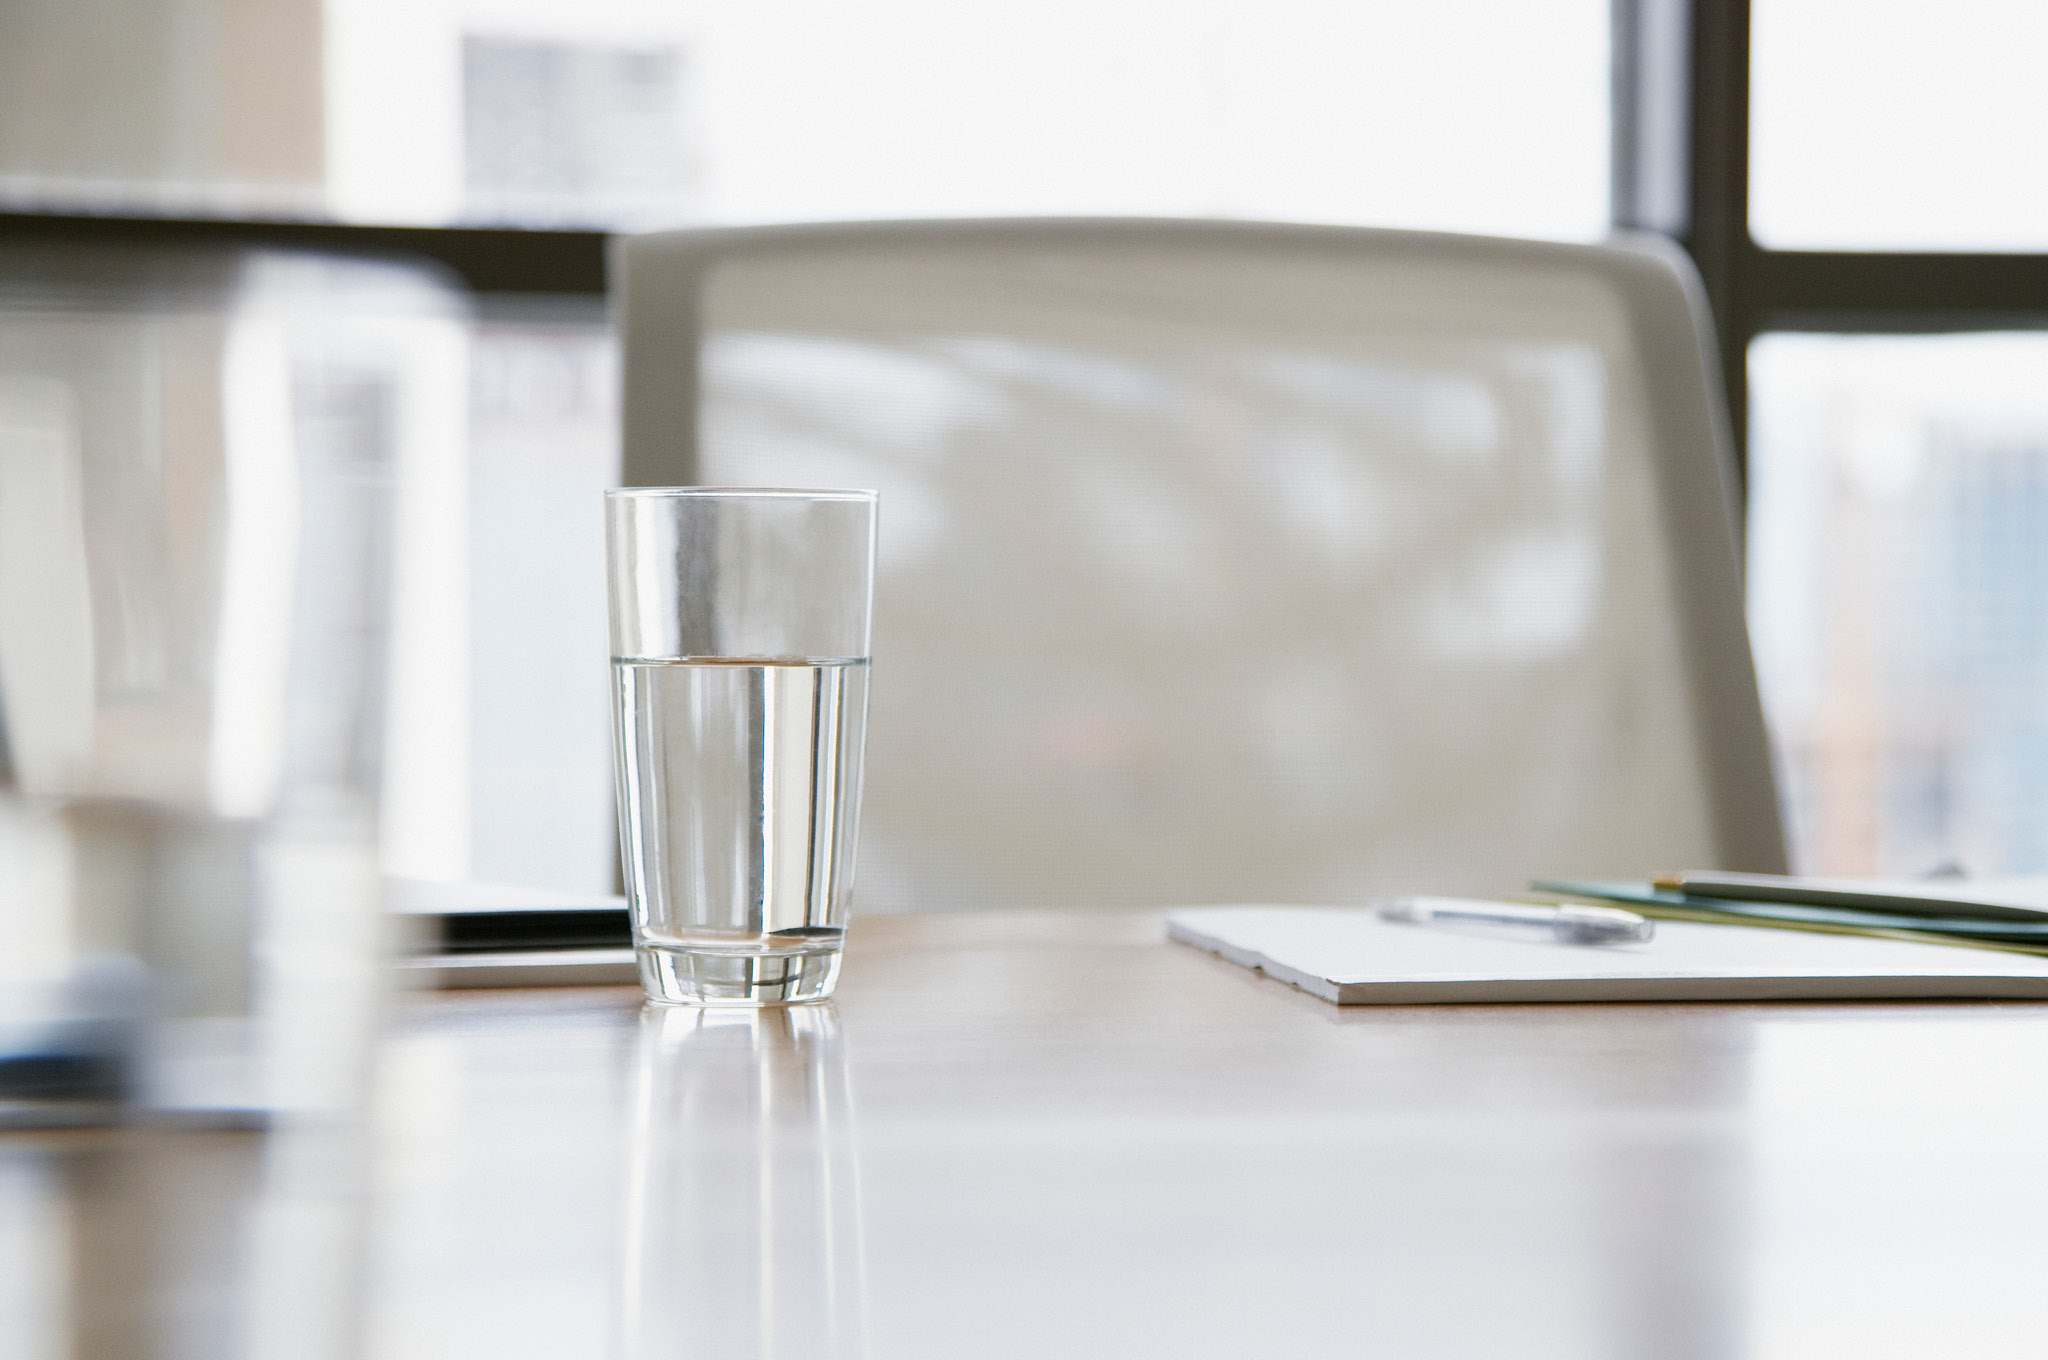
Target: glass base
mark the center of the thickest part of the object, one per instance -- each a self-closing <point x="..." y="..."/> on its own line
<point x="682" y="977"/>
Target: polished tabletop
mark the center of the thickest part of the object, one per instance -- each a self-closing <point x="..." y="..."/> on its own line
<point x="1033" y="1134"/>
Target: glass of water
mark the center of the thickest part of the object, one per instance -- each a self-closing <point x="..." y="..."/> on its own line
<point x="739" y="628"/>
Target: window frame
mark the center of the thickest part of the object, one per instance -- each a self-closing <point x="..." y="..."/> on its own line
<point x="1751" y="289"/>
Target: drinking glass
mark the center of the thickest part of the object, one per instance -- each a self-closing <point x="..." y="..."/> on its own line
<point x="739" y="627"/>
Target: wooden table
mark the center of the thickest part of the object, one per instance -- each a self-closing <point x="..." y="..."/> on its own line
<point x="1057" y="1134"/>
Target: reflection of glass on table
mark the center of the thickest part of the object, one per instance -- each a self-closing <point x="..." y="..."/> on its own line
<point x="743" y="1210"/>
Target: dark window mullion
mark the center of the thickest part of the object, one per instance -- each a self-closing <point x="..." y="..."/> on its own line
<point x="486" y="259"/>
<point x="1717" y="234"/>
<point x="1852" y="290"/>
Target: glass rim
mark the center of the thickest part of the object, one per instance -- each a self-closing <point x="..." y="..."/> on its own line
<point x="737" y="493"/>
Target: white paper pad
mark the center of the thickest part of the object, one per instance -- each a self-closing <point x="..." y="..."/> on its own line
<point x="1349" y="956"/>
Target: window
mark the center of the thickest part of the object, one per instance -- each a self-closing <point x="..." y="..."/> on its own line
<point x="1899" y="561"/>
<point x="572" y="132"/>
<point x="1851" y="188"/>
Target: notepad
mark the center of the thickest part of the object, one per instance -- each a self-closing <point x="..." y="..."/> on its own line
<point x="1349" y="956"/>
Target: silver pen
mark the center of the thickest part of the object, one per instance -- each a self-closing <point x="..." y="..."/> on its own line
<point x="1566" y="924"/>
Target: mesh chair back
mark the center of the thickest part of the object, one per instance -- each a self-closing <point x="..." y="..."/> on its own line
<point x="1239" y="563"/>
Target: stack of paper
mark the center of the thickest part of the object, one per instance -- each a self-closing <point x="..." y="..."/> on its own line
<point x="1351" y="957"/>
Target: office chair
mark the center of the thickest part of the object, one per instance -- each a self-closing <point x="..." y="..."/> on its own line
<point x="1242" y="562"/>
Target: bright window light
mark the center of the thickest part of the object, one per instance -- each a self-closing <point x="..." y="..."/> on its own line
<point x="1899" y="125"/>
<point x="1471" y="115"/>
<point x="1898" y="596"/>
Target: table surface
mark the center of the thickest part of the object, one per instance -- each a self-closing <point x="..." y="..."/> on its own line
<point x="1040" y="1134"/>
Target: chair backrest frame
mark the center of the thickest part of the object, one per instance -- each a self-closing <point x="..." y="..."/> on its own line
<point x="658" y="281"/>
